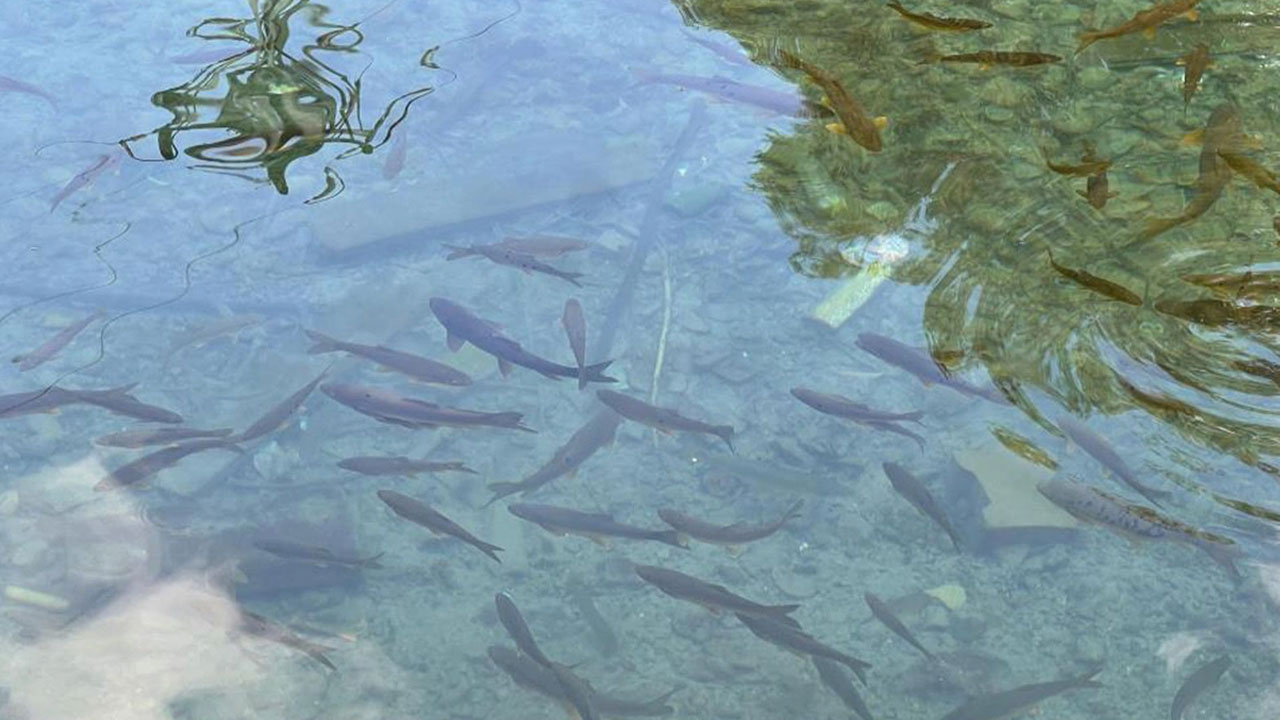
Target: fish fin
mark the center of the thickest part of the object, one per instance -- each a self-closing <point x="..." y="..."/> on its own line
<point x="457" y="252"/>
<point x="793" y="512"/>
<point x="1083" y="194"/>
<point x="1149" y="33"/>
<point x="671" y="537"/>
<point x="984" y="66"/>
<point x="836" y="128"/>
<point x="1192" y="14"/>
<point x="323" y="343"/>
<point x="725" y="433"/>
<point x="734" y="551"/>
<point x="454" y="342"/>
<point x="1195" y="137"/>
<point x="501" y="490"/>
<point x="17" y="358"/>
<point x="600" y="540"/>
<point x="372" y="562"/>
<point x="881" y="122"/>
<point x="504" y="367"/>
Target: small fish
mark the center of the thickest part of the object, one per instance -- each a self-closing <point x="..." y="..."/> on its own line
<point x="1013" y="702"/>
<point x="920" y="364"/>
<point x="420" y="513"/>
<point x="715" y="598"/>
<point x="259" y="626"/>
<point x="314" y="553"/>
<point x="791" y="637"/>
<point x="54" y="345"/>
<point x="84" y="178"/>
<point x="388" y="407"/>
<point x="882" y="612"/>
<point x="8" y="84"/>
<point x="1223" y="132"/>
<point x="914" y="491"/>
<point x="663" y="419"/>
<point x="462" y="326"/>
<point x="140" y="471"/>
<point x="1099" y="285"/>
<point x="399" y="465"/>
<point x="734" y="534"/>
<point x="1145" y="21"/>
<point x="988" y="58"/>
<point x="837" y="682"/>
<point x="1196" y="62"/>
<point x="1096" y="191"/>
<point x="575" y="328"/>
<point x="1251" y="169"/>
<point x="1249" y="285"/>
<point x="1220" y="313"/>
<point x="726" y="52"/>
<point x="1205" y="677"/>
<point x="529" y="674"/>
<point x="213" y="330"/>
<point x="594" y="526"/>
<point x="853" y="119"/>
<point x="774" y="101"/>
<point x="415" y="366"/>
<point x="518" y="629"/>
<point x="1088" y="166"/>
<point x="548" y="246"/>
<point x="842" y="407"/>
<point x="933" y="22"/>
<point x="521" y="261"/>
<point x="595" y="434"/>
<point x="1024" y="447"/>
<point x="1102" y="451"/>
<point x="276" y="417"/>
<point x="157" y="436"/>
<point x="119" y="402"/>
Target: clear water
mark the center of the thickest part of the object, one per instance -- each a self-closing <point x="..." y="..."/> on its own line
<point x="287" y="166"/>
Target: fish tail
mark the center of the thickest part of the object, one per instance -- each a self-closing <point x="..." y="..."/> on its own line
<point x="725" y="433"/>
<point x="490" y="549"/>
<point x="372" y="562"/>
<point x="458" y="252"/>
<point x="596" y="372"/>
<point x="323" y="343"/>
<point x="501" y="490"/>
<point x="793" y="512"/>
<point x="460" y="467"/>
<point x="782" y="611"/>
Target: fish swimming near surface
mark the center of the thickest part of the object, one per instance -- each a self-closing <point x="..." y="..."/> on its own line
<point x="510" y="258"/>
<point x="715" y="598"/>
<point x="882" y="612"/>
<point x="1097" y="507"/>
<point x="394" y="409"/>
<point x="157" y="436"/>
<point x="291" y="550"/>
<point x="8" y="84"/>
<point x="1010" y="703"/>
<point x="547" y="246"/>
<point x="259" y="626"/>
<point x="789" y="636"/>
<point x="1223" y="132"/>
<point x="1205" y="677"/>
<point x="662" y="419"/>
<point x="595" y="434"/>
<point x="276" y="418"/>
<point x="1195" y="63"/>
<point x="925" y="368"/>
<point x="414" y="366"/>
<point x="730" y="535"/>
<point x="842" y="407"/>
<point x="934" y="22"/>
<point x="594" y="526"/>
<point x="213" y="330"/>
<point x="117" y="400"/>
<point x="1012" y="58"/>
<point x="511" y="619"/>
<point x="1102" y="451"/>
<point x="531" y="675"/>
<point x="84" y="178"/>
<point x="1145" y="21"/>
<point x="575" y="329"/>
<point x="418" y="512"/>
<point x="140" y="471"/>
<point x="913" y="490"/>
<point x="1102" y="286"/>
<point x="854" y="120"/>
<point x="399" y="465"/>
<point x="462" y="327"/>
<point x="774" y="101"/>
<point x="54" y="345"/>
<point x="833" y="677"/>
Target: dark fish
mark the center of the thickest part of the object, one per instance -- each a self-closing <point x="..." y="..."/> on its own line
<point x="1097" y="191"/>
<point x="521" y="261"/>
<point x="535" y="245"/>
<point x="142" y="469"/>
<point x="422" y="514"/>
<point x="8" y="84"/>
<point x="119" y="402"/>
<point x="1091" y="505"/>
<point x="259" y="626"/>
<point x="1247" y="285"/>
<point x="1251" y="169"/>
<point x="1223" y="132"/>
<point x="987" y="58"/>
<point x="1013" y="702"/>
<point x="933" y="22"/>
<point x="606" y="640"/>
<point x="854" y="120"/>
<point x="663" y="419"/>
<point x="1099" y="285"/>
<point x="1220" y="313"/>
<point x="415" y="366"/>
<point x="833" y="677"/>
<point x="713" y="597"/>
<point x="577" y="692"/>
<point x="1145" y="21"/>
<point x="157" y="436"/>
<point x="914" y="491"/>
<point x="1205" y="677"/>
<point x="276" y="417"/>
<point x="882" y="612"/>
<point x="1196" y="62"/>
<point x="83" y="179"/>
<point x="1089" y="164"/>
<point x="780" y="102"/>
<point x="594" y="526"/>
<point x="919" y="363"/>
<point x="842" y="407"/>
<point x="575" y="328"/>
<point x="734" y="534"/>
<point x="519" y="631"/>
<point x="314" y="553"/>
<point x="598" y="432"/>
<point x="530" y="675"/>
<point x="791" y="637"/>
<point x="464" y="327"/>
<point x="398" y="465"/>
<point x="388" y="407"/>
<point x="1101" y="450"/>
<point x="54" y="345"/>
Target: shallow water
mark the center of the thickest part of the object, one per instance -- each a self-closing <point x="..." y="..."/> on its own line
<point x="221" y="179"/>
